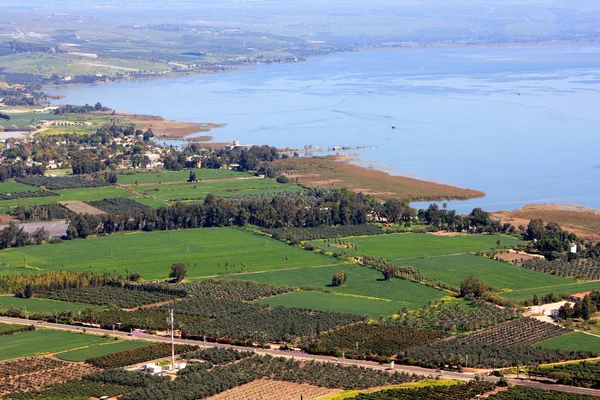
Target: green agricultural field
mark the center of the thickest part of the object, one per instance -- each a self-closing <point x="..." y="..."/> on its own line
<point x="568" y="286"/>
<point x="410" y="245"/>
<point x="574" y="341"/>
<point x="332" y="302"/>
<point x="38" y="342"/>
<point x="152" y="253"/>
<point x="42" y="305"/>
<point x="361" y="284"/>
<point x="199" y="190"/>
<point x="83" y="194"/>
<point x="167" y="176"/>
<point x="13" y="187"/>
<point x="80" y="355"/>
<point x="502" y="276"/>
<point x="28" y="118"/>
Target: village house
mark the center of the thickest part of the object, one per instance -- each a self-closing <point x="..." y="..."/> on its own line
<point x="579" y="296"/>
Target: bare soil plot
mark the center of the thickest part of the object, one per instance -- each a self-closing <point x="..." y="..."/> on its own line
<point x="274" y="390"/>
<point x="81" y="208"/>
<point x="37" y="373"/>
<point x="515" y="256"/>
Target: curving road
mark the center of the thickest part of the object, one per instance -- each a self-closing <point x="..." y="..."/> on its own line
<point x="277" y="353"/>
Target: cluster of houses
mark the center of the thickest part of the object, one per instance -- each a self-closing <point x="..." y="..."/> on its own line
<point x="45" y="110"/>
<point x="66" y="123"/>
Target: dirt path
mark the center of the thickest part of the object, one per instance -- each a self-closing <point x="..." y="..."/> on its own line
<point x="146" y="306"/>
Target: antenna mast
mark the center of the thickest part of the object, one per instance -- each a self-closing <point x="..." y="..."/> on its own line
<point x="172" y="322"/>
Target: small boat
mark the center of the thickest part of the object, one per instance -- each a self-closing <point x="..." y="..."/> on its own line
<point x="393" y="126"/>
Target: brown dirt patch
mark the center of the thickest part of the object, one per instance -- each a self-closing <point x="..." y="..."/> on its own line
<point x="81" y="208"/>
<point x="584" y="222"/>
<point x="447" y="234"/>
<point x="147" y="306"/>
<point x="38" y="373"/>
<point x="5" y="219"/>
<point x="513" y="257"/>
<point x="274" y="390"/>
<point x="338" y="172"/>
<point x="170" y="129"/>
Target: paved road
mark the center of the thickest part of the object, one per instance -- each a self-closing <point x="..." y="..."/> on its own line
<point x="276" y="353"/>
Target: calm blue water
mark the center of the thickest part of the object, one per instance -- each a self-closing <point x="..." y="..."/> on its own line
<point x="519" y="123"/>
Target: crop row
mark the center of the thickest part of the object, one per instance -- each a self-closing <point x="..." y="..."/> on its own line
<point x="119" y="205"/>
<point x="238" y="320"/>
<point x="63" y="182"/>
<point x="529" y="393"/>
<point x="105" y="295"/>
<point x="523" y="331"/>
<point x="136" y="356"/>
<point x="34" y="194"/>
<point x="579" y="269"/>
<point x="234" y="290"/>
<point x="453" y="318"/>
<point x="37" y="373"/>
<point x="9" y="329"/>
<point x="460" y="391"/>
<point x="462" y="353"/>
<point x="218" y="356"/>
<point x="112" y="382"/>
<point x="369" y="339"/>
<point x="207" y="383"/>
<point x="219" y="311"/>
<point x="586" y="374"/>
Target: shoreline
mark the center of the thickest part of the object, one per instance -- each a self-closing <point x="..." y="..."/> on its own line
<point x="436" y="46"/>
<point x="441" y="46"/>
<point x="340" y="172"/>
<point x="221" y="140"/>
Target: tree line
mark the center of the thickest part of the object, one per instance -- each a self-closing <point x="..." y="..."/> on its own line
<point x="309" y="208"/>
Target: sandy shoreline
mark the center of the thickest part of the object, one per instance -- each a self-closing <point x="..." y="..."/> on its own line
<point x="169" y="129"/>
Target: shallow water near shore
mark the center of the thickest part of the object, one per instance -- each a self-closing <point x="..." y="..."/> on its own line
<point x="519" y="123"/>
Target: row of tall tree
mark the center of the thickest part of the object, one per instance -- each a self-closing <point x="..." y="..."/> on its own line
<point x="309" y="208"/>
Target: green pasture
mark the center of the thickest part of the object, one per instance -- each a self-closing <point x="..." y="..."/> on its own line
<point x="333" y="302"/>
<point x="30" y="118"/>
<point x="14" y="187"/>
<point x="152" y="253"/>
<point x="574" y="341"/>
<point x="410" y="245"/>
<point x="97" y="350"/>
<point x="199" y="190"/>
<point x="42" y="305"/>
<point x="361" y="284"/>
<point x="502" y="276"/>
<point x="156" y="195"/>
<point x="568" y="286"/>
<point x="26" y="344"/>
<point x="167" y="176"/>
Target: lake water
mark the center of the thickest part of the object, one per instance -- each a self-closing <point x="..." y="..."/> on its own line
<point x="519" y="123"/>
